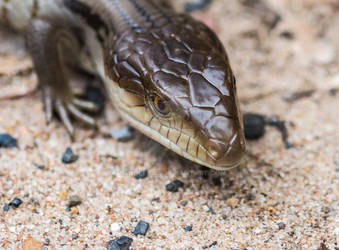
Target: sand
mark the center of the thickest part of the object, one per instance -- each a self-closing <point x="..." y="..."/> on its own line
<point x="277" y="198"/>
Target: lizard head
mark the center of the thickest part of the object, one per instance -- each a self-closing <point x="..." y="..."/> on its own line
<point x="175" y="85"/>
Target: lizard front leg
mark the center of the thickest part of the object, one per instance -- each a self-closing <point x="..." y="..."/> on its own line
<point x="53" y="48"/>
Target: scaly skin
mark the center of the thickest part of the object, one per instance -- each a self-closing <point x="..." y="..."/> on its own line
<point x="167" y="74"/>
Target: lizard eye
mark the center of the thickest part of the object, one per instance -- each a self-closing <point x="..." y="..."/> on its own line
<point x="160" y="105"/>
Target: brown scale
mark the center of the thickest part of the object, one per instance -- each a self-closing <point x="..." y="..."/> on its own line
<point x="186" y="65"/>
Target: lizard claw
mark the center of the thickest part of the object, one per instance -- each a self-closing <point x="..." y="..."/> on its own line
<point x="68" y="107"/>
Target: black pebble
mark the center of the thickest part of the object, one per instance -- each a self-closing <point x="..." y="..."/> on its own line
<point x="74" y="200"/>
<point x="69" y="157"/>
<point x="183" y="203"/>
<point x="141" y="228"/>
<point x="197" y="5"/>
<point x="287" y="34"/>
<point x="214" y="243"/>
<point x="121" y="243"/>
<point x="6" y="207"/>
<point x="250" y="197"/>
<point x="254" y="125"/>
<point x="281" y="225"/>
<point x="205" y="172"/>
<point x="141" y="175"/>
<point x="217" y="181"/>
<point x="95" y="95"/>
<point x="211" y="210"/>
<point x="174" y="186"/>
<point x="47" y="241"/>
<point x="333" y="91"/>
<point x="75" y="236"/>
<point x="189" y="228"/>
<point x="7" y="141"/>
<point x="16" y="202"/>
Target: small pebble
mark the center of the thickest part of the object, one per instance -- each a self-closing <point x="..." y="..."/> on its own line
<point x="204" y="172"/>
<point x="6" y="207"/>
<point x="287" y="35"/>
<point x="156" y="199"/>
<point x="73" y="210"/>
<point x="75" y="236"/>
<point x="174" y="186"/>
<point x="281" y="225"/>
<point x="74" y="200"/>
<point x="7" y="141"/>
<point x="115" y="227"/>
<point x="121" y="243"/>
<point x="254" y="126"/>
<point x="250" y="197"/>
<point x="214" y="243"/>
<point x="217" y="181"/>
<point x="141" y="228"/>
<point x="141" y="175"/>
<point x="183" y="203"/>
<point x="16" y="202"/>
<point x="34" y="201"/>
<point x="211" y="210"/>
<point x="189" y="228"/>
<point x="95" y="95"/>
<point x="47" y="241"/>
<point x="123" y="134"/>
<point x="197" y="5"/>
<point x="69" y="157"/>
<point x="39" y="166"/>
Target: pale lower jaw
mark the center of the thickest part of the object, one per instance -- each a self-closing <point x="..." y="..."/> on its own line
<point x="155" y="135"/>
<point x="169" y="144"/>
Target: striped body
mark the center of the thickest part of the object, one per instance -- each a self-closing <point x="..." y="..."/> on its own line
<point x="115" y="15"/>
<point x="97" y="20"/>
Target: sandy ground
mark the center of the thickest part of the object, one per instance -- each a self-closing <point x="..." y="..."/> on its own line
<point x="277" y="199"/>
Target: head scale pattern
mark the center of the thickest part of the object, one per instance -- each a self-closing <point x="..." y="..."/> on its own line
<point x="185" y="64"/>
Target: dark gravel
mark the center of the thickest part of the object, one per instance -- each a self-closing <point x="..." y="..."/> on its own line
<point x="214" y="243"/>
<point x="75" y="236"/>
<point x="254" y="125"/>
<point x="74" y="200"/>
<point x="174" y="186"/>
<point x="141" y="175"/>
<point x="217" y="181"/>
<point x="281" y="225"/>
<point x="95" y="95"/>
<point x="6" y="207"/>
<point x="7" y="141"/>
<point x="121" y="243"/>
<point x="123" y="134"/>
<point x="15" y="203"/>
<point x="69" y="157"/>
<point x="141" y="228"/>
